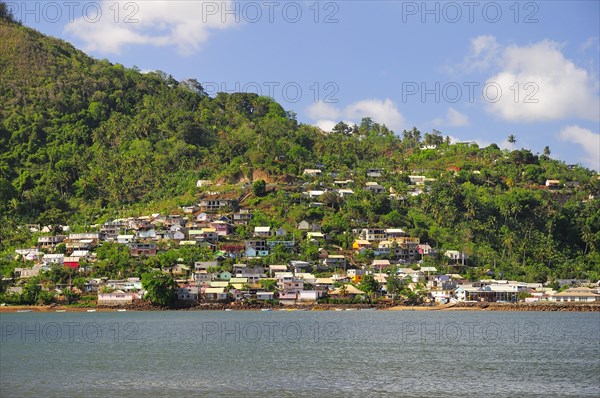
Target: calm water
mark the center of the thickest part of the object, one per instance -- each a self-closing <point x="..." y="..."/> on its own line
<point x="300" y="354"/>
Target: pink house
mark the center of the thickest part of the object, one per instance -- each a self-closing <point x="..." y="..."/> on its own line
<point x="221" y="227"/>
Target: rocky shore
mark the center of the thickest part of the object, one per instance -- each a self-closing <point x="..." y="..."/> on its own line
<point x="539" y="306"/>
<point x="483" y="306"/>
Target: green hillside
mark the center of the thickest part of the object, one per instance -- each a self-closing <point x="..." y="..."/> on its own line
<point x="83" y="140"/>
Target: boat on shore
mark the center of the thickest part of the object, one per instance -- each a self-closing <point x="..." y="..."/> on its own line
<point x="61" y="310"/>
<point x="228" y="309"/>
<point x="91" y="310"/>
<point x="23" y="310"/>
<point x="265" y="309"/>
<point x="121" y="310"/>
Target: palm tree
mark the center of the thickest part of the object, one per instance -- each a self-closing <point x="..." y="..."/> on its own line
<point x="343" y="291"/>
<point x="512" y="140"/>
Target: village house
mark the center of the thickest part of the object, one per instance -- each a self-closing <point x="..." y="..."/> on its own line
<point x="344" y="192"/>
<point x="71" y="262"/>
<point x="174" y="220"/>
<point x="348" y="291"/>
<point x="233" y="249"/>
<point x="116" y="298"/>
<point x="309" y="295"/>
<point x="208" y="235"/>
<point x="125" y="239"/>
<point x="456" y="256"/>
<point x="425" y="250"/>
<point x="81" y="244"/>
<point x="190" y="209"/>
<point x="299" y="266"/>
<point x="313" y="194"/>
<point x="53" y="259"/>
<point x="126" y="285"/>
<point x="215" y="294"/>
<point x="277" y="268"/>
<point x="111" y="229"/>
<point x="380" y="265"/>
<point x="142" y="249"/>
<point x="203" y="217"/>
<point x="263" y="232"/>
<point x="306" y="226"/>
<point x="490" y="293"/>
<point x="49" y="242"/>
<point x="86" y="235"/>
<point x="239" y="283"/>
<point x="411" y="274"/>
<point x="335" y="261"/>
<point x="360" y="244"/>
<point x="289" y="288"/>
<point x="375" y="173"/>
<point x="343" y="183"/>
<point x="314" y="236"/>
<point x="311" y="172"/>
<point x="417" y="180"/>
<point x="178" y="233"/>
<point x="205" y="265"/>
<point x="392" y="233"/>
<point x="373" y="234"/>
<point x="356" y="274"/>
<point x="257" y="248"/>
<point x="374" y="187"/>
<point x="202" y="277"/>
<point x="324" y="284"/>
<point x="263" y="296"/>
<point x="242" y="217"/>
<point x="579" y="294"/>
<point x="221" y="228"/>
<point x="25" y="273"/>
<point x="187" y="293"/>
<point x="216" y="202"/>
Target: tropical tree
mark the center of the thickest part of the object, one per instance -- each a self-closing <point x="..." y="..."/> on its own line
<point x="259" y="188"/>
<point x="160" y="288"/>
<point x="512" y="140"/>
<point x="394" y="285"/>
<point x="546" y="150"/>
<point x="269" y="285"/>
<point x="370" y="285"/>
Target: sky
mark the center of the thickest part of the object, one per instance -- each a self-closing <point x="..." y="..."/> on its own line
<point x="474" y="70"/>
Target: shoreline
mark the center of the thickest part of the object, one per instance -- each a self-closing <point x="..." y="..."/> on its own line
<point x="515" y="307"/>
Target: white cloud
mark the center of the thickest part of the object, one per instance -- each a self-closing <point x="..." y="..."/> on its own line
<point x="453" y="118"/>
<point x="591" y="42"/>
<point x="381" y="111"/>
<point x="322" y="110"/>
<point x="185" y="25"/>
<point x="325" y="125"/>
<point x="538" y="83"/>
<point x="589" y="142"/>
<point x="384" y="112"/>
<point x="485" y="51"/>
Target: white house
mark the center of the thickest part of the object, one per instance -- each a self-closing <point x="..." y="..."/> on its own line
<point x="264" y="232"/>
<point x="575" y="295"/>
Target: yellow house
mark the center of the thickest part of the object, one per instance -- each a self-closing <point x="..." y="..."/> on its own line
<point x="360" y="244"/>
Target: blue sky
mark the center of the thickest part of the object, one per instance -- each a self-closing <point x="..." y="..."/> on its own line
<point x="474" y="70"/>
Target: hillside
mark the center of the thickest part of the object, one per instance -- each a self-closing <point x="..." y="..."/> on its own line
<point x="83" y="140"/>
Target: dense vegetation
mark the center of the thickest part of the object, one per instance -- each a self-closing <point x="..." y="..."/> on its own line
<point x="84" y="141"/>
